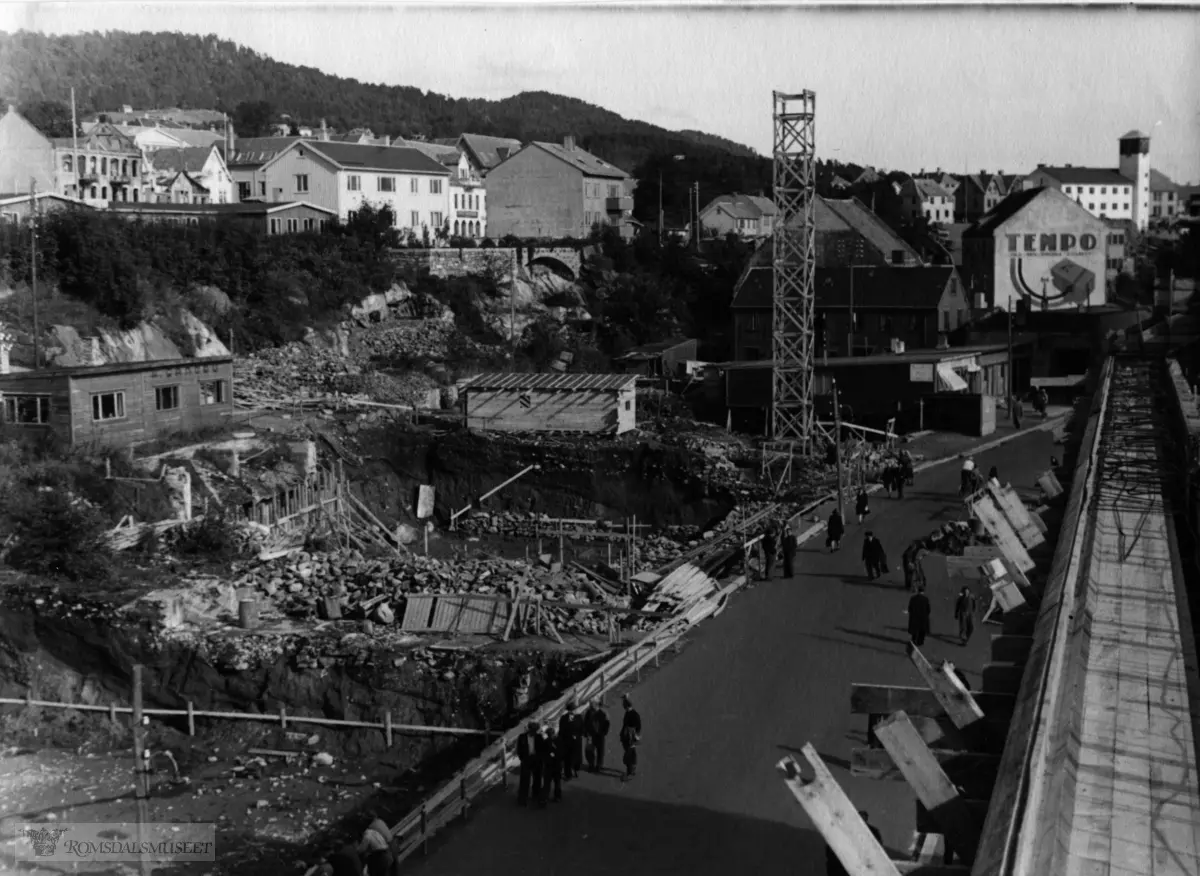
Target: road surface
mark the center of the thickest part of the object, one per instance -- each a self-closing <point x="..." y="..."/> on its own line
<point x="770" y="674"/>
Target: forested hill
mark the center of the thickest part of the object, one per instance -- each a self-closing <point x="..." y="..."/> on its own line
<point x="147" y="70"/>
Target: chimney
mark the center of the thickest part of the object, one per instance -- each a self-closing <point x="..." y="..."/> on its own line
<point x="6" y="345"/>
<point x="569" y="142"/>
<point x="387" y="139"/>
<point x="324" y="131"/>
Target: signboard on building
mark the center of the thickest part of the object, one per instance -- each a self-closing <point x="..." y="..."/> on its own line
<point x="920" y="372"/>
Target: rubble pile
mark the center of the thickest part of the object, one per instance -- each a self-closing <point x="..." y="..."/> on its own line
<point x="653" y="550"/>
<point x="435" y="339"/>
<point x="290" y="371"/>
<point x="345" y="585"/>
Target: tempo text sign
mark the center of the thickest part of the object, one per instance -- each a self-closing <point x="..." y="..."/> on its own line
<point x="64" y="842"/>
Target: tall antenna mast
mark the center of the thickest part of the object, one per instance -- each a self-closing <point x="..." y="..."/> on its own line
<point x="793" y="268"/>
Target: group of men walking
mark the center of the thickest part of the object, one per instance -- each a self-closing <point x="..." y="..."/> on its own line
<point x="550" y="755"/>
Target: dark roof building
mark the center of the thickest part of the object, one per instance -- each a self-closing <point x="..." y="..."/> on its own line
<point x="483" y="151"/>
<point x="268" y="218"/>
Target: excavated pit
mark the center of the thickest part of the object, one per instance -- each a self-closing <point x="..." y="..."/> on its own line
<point x="600" y="479"/>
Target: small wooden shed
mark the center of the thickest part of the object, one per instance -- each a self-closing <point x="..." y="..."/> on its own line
<point x="506" y="402"/>
<point x="660" y="359"/>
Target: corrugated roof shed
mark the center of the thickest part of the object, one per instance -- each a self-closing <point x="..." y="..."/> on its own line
<point x="551" y="382"/>
<point x="915" y="288"/>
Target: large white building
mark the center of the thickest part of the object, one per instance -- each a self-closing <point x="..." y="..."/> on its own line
<point x="1105" y="192"/>
<point x="344" y="176"/>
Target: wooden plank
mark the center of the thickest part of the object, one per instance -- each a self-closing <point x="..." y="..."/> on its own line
<point x="931" y="785"/>
<point x="958" y="702"/>
<point x="835" y="817"/>
<point x="883" y="699"/>
<point x="418" y="610"/>
<point x="1015" y="512"/>
<point x="984" y="508"/>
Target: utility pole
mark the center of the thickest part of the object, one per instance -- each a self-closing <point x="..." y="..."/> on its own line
<point x="850" y="327"/>
<point x="660" y="208"/>
<point x="33" y="213"/>
<point x="1012" y="379"/>
<point x="837" y="445"/>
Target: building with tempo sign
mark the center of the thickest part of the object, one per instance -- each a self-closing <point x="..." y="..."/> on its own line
<point x="1040" y="247"/>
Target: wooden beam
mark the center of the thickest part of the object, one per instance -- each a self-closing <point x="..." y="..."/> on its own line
<point x="983" y="506"/>
<point x="950" y="692"/>
<point x="876" y="763"/>
<point x="933" y="788"/>
<point x="835" y="817"/>
<point x="1017" y="515"/>
<point x="883" y="699"/>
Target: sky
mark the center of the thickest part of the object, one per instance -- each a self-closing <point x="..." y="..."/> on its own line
<point x="960" y="88"/>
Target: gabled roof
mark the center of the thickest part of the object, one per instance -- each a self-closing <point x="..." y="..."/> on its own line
<point x="192" y="159"/>
<point x="1086" y="175"/>
<point x="382" y="159"/>
<point x="1135" y="134"/>
<point x="1160" y="182"/>
<point x="927" y="188"/>
<point x="743" y="206"/>
<point x="489" y="151"/>
<point x="1007" y="181"/>
<point x="858" y="217"/>
<point x="550" y="382"/>
<point x="1006" y="209"/>
<point x="582" y="160"/>
<point x="7" y="199"/>
<point x="195" y="185"/>
<point x="242" y="208"/>
<point x="104" y="137"/>
<point x="875" y="288"/>
<point x="254" y="151"/>
<point x="194" y="137"/>
<point x="445" y="155"/>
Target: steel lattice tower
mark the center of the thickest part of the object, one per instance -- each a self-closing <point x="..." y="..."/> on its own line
<point x="792" y="334"/>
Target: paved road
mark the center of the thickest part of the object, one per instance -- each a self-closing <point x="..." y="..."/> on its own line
<point x="770" y="674"/>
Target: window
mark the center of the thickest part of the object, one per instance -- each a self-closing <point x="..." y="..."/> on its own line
<point x="456" y="202"/>
<point x="1091" y="190"/>
<point x="628" y="405"/>
<point x="416" y="219"/>
<point x="104" y="167"/>
<point x="308" y="225"/>
<point x="293" y="226"/>
<point x="124" y="167"/>
<point x="321" y="223"/>
<point x="108" y="406"/>
<point x="103" y="193"/>
<point x="945" y="320"/>
<point x="753" y="323"/>
<point x="262" y="189"/>
<point x="1091" y="206"/>
<point x="166" y="398"/>
<point x="435" y="187"/>
<point x="302" y="183"/>
<point x="274" y="225"/>
<point x="1104" y="206"/>
<point x="1126" y="206"/>
<point x="614" y="191"/>
<point x="68" y="162"/>
<point x="1103" y="190"/>
<point x="133" y="167"/>
<point x="414" y="186"/>
<point x="354" y="183"/>
<point x="435" y="219"/>
<point x="243" y="191"/>
<point x="212" y="392"/>
<point x="386" y="184"/>
<point x="27" y="410"/>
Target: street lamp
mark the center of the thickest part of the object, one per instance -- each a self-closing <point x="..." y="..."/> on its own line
<point x="660" y="198"/>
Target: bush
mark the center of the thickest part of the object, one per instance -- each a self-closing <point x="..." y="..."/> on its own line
<point x="214" y="536"/>
<point x="56" y="533"/>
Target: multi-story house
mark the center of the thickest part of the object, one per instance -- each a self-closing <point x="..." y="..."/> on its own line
<point x="204" y="165"/>
<point x="1105" y="192"/>
<point x="1165" y="200"/>
<point x="26" y="156"/>
<point x="102" y="166"/>
<point x="344" y="176"/>
<point x="180" y="188"/>
<point x="744" y="215"/>
<point x="245" y="161"/>
<point x="161" y="135"/>
<point x="923" y="197"/>
<point x="977" y="194"/>
<point x="468" y="197"/>
<point x="557" y="190"/>
<point x="483" y="152"/>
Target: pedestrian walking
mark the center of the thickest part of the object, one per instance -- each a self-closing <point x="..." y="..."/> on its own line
<point x="964" y="613"/>
<point x="918" y="616"/>
<point x="1017" y="412"/>
<point x="790" y="543"/>
<point x="769" y="547"/>
<point x="906" y="468"/>
<point x="529" y="781"/>
<point x="862" y="505"/>
<point x="833" y="865"/>
<point x="553" y="765"/>
<point x="835" y="530"/>
<point x="595" y="728"/>
<point x="887" y="478"/>
<point x="908" y="564"/>
<point x="898" y="479"/>
<point x="967" y="484"/>
<point x="873" y="556"/>
<point x="570" y="741"/>
<point x="631" y="735"/>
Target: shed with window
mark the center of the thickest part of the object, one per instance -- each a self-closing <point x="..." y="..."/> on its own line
<point x="122" y="402"/>
<point x="598" y="403"/>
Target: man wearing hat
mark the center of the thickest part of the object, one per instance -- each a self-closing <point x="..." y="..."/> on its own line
<point x="595" y="727"/>
<point x="631" y="735"/>
<point x="570" y="741"/>
<point x="552" y="764"/>
<point x="530" y="781"/>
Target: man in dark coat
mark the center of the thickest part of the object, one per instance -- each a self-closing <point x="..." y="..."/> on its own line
<point x="833" y="866"/>
<point x="790" y="544"/>
<point x="769" y="546"/>
<point x="919" y="611"/>
<point x="631" y="735"/>
<point x="570" y="742"/>
<point x="873" y="556"/>
<point x="835" y="530"/>
<point x="1017" y="410"/>
<point x="595" y="728"/>
<point x="964" y="613"/>
<point x="552" y="764"/>
<point x="530" y="780"/>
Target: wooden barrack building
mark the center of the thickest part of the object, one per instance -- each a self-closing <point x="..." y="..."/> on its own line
<point x="551" y="402"/>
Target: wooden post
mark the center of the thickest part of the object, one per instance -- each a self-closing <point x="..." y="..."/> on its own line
<point x="424" y="830"/>
<point x="633" y="552"/>
<point x="950" y="693"/>
<point x="425" y="530"/>
<point x="112" y="712"/>
<point x="191" y="719"/>
<point x="139" y="736"/>
<point x="610" y="554"/>
<point x="387" y="727"/>
<point x="935" y="791"/>
<point x="283" y="717"/>
<point x="562" y="549"/>
<point x="837" y="819"/>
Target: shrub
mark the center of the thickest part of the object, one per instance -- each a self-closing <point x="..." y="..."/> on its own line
<point x="215" y="536"/>
<point x="57" y="533"/>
